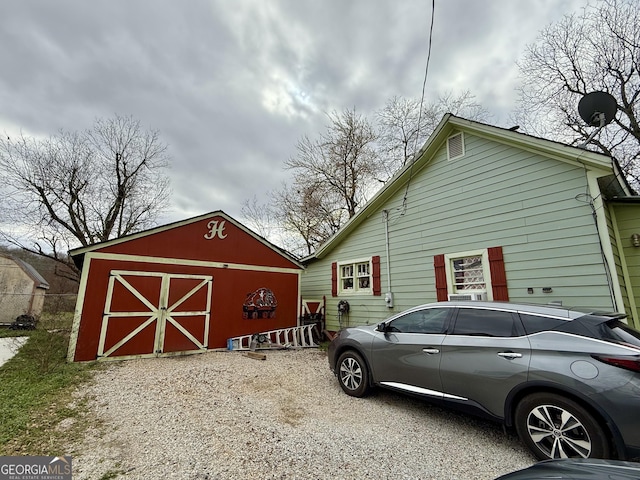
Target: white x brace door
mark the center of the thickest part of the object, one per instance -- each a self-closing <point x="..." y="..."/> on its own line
<point x="154" y="313"/>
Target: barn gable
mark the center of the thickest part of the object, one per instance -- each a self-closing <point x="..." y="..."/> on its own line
<point x="213" y="237"/>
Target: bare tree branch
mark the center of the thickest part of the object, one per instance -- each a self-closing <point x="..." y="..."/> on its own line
<point x="404" y="128"/>
<point x="598" y="49"/>
<point x="79" y="188"/>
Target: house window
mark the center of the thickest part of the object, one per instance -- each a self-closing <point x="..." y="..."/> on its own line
<point x="467" y="274"/>
<point x="355" y="277"/>
<point x="479" y="274"/>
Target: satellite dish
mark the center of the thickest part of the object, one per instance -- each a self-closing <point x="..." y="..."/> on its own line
<point x="597" y="109"/>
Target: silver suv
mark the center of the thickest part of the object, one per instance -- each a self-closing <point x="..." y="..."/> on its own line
<point x="568" y="381"/>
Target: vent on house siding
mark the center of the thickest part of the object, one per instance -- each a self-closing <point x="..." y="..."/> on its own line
<point x="455" y="146"/>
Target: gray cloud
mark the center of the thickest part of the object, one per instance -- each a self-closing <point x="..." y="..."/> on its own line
<point x="232" y="86"/>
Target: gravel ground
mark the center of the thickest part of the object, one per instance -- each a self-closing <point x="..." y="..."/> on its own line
<point x="222" y="415"/>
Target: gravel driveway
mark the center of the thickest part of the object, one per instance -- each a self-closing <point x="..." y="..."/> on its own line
<point x="222" y="415"/>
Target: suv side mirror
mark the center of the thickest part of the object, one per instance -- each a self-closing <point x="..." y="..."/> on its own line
<point x="382" y="327"/>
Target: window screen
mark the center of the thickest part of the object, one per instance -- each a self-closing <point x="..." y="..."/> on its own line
<point x="468" y="274"/>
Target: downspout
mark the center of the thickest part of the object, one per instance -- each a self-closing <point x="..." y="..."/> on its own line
<point x="388" y="297"/>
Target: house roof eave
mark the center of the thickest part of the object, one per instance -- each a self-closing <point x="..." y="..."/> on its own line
<point x="560" y="151"/>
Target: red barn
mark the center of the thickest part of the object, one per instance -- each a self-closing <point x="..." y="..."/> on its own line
<point x="183" y="287"/>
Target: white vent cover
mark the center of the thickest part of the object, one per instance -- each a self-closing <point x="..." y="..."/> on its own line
<point x="463" y="297"/>
<point x="455" y="146"/>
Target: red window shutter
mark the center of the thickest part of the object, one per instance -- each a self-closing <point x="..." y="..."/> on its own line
<point x="334" y="279"/>
<point x="375" y="261"/>
<point x="441" y="277"/>
<point x="498" y="274"/>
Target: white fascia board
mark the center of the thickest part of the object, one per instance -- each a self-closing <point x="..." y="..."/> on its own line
<point x="586" y="159"/>
<point x="191" y="263"/>
<point x="395" y="183"/>
<point x="605" y="240"/>
<point x="77" y="315"/>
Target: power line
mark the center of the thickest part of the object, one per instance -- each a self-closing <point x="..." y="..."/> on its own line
<point x="424" y="86"/>
<point x="426" y="73"/>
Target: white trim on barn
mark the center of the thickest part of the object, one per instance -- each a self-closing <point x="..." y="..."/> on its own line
<point x="191" y="263"/>
<point x="156" y="260"/>
<point x="77" y="315"/>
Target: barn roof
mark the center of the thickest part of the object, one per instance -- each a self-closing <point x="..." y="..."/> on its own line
<point x="78" y="253"/>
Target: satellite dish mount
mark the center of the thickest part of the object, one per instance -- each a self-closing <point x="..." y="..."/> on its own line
<point x="597" y="109"/>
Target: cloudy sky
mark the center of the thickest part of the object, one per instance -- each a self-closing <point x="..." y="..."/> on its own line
<point x="233" y="85"/>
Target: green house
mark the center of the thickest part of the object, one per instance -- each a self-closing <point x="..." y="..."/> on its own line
<point x="485" y="213"/>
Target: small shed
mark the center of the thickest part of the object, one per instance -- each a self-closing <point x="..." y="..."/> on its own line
<point x="22" y="290"/>
<point x="181" y="288"/>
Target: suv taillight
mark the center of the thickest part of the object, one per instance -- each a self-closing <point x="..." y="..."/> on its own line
<point x="628" y="362"/>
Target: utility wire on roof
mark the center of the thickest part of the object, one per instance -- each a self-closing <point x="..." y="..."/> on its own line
<point x="424" y="85"/>
<point x="426" y="72"/>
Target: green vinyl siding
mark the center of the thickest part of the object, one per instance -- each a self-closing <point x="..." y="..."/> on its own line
<point x="627" y="222"/>
<point x="533" y="206"/>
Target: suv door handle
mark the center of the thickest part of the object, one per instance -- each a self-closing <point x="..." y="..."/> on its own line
<point x="430" y="351"/>
<point x="510" y="355"/>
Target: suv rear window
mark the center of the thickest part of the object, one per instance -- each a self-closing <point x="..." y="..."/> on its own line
<point x="620" y="332"/>
<point x="607" y="328"/>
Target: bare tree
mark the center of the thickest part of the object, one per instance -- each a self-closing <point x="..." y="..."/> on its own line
<point x="260" y="217"/>
<point x="335" y="173"/>
<point x="597" y="49"/>
<point x="80" y="188"/>
<point x="341" y="165"/>
<point x="405" y="125"/>
<point x="297" y="217"/>
<point x="307" y="217"/>
<point x="332" y="176"/>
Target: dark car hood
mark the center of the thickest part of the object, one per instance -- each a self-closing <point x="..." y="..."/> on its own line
<point x="577" y="469"/>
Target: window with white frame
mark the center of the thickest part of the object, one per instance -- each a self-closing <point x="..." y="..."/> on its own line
<point x="355" y="276"/>
<point x="468" y="272"/>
